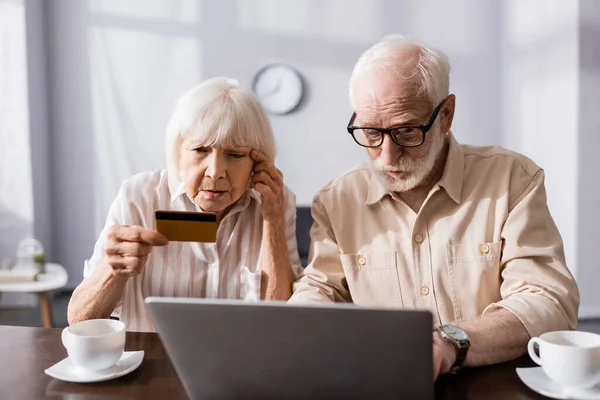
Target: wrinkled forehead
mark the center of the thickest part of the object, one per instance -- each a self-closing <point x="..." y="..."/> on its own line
<point x="387" y="105"/>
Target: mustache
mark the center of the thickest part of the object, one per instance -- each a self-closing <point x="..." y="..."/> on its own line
<point x="387" y="168"/>
<point x="401" y="165"/>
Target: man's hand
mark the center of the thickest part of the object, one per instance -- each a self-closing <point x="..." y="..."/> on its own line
<point x="444" y="355"/>
<point x="127" y="248"/>
<point x="268" y="181"/>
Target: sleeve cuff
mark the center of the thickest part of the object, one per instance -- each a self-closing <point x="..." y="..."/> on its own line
<point x="537" y="313"/>
<point x="309" y="296"/>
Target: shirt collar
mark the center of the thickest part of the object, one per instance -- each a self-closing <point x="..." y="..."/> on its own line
<point x="452" y="178"/>
<point x="377" y="189"/>
<point x="451" y="181"/>
<point x="176" y="187"/>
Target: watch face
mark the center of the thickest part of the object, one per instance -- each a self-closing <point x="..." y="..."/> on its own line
<point x="455" y="333"/>
<point x="279" y="88"/>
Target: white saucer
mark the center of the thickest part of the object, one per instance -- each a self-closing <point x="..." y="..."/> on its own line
<point x="65" y="370"/>
<point x="538" y="381"/>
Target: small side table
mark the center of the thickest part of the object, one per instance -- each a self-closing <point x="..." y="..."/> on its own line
<point x="55" y="278"/>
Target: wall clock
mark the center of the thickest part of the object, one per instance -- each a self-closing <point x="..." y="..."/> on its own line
<point x="279" y="87"/>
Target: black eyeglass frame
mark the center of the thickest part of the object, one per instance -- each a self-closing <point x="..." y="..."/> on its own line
<point x="423" y="128"/>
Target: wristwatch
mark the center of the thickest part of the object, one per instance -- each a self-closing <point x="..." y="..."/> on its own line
<point x="459" y="339"/>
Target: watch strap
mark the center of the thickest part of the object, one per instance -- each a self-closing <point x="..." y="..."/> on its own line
<point x="461" y="355"/>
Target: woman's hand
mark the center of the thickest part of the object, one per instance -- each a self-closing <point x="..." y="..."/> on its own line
<point x="127" y="248"/>
<point x="268" y="181"/>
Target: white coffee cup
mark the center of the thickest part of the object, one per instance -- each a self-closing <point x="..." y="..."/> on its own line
<point x="95" y="344"/>
<point x="570" y="358"/>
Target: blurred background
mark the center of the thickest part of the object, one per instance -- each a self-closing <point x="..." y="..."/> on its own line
<point x="87" y="87"/>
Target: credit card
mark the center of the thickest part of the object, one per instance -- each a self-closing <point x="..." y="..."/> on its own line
<point x="183" y="226"/>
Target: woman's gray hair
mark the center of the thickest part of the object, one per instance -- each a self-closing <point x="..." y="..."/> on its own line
<point x="218" y="112"/>
<point x="431" y="71"/>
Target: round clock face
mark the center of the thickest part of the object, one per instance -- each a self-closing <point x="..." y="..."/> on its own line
<point x="279" y="88"/>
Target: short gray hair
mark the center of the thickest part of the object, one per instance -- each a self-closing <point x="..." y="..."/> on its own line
<point x="432" y="69"/>
<point x="218" y="112"/>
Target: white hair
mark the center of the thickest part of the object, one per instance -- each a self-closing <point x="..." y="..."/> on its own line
<point x="218" y="112"/>
<point x="431" y="71"/>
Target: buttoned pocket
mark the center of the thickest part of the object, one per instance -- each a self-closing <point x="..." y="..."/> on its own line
<point x="474" y="270"/>
<point x="372" y="278"/>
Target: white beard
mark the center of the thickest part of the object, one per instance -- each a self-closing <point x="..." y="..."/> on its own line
<point x="414" y="170"/>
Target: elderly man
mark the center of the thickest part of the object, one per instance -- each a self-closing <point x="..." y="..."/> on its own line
<point x="462" y="231"/>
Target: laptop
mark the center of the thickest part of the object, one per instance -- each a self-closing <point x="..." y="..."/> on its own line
<point x="228" y="349"/>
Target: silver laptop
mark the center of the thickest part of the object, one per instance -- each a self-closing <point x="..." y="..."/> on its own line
<point x="224" y="349"/>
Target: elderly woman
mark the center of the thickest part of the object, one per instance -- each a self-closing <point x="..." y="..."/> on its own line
<point x="220" y="151"/>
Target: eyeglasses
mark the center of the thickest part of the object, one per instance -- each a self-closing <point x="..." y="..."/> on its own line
<point x="403" y="136"/>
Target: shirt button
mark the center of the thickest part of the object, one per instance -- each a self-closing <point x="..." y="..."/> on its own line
<point x="418" y="238"/>
<point x="424" y="290"/>
<point x="361" y="260"/>
<point x="484" y="248"/>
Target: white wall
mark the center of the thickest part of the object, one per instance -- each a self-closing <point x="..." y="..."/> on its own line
<point x="16" y="200"/>
<point x="70" y="135"/>
<point x="35" y="17"/>
<point x="588" y="190"/>
<point x="116" y="67"/>
<point x="142" y="58"/>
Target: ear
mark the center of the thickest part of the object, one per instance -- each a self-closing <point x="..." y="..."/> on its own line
<point x="447" y="113"/>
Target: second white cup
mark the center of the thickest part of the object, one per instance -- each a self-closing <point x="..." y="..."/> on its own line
<point x="570" y="358"/>
<point x="95" y="344"/>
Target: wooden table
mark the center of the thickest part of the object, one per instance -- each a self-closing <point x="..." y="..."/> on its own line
<point x="26" y="352"/>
